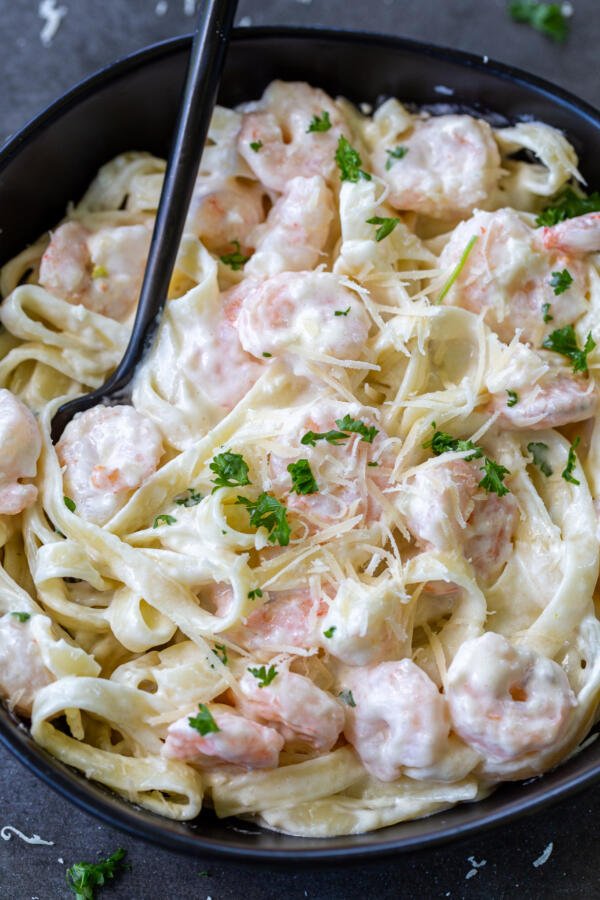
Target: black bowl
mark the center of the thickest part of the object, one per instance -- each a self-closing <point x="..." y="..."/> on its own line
<point x="132" y="105"/>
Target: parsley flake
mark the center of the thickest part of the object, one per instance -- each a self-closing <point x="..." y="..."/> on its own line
<point x="373" y="464"/>
<point x="303" y="480"/>
<point x="265" y="676"/>
<point x="567" y="472"/>
<point x="267" y="512"/>
<point x="319" y="123"/>
<point x="256" y="145"/>
<point x="349" y="162"/>
<point x="163" y="519"/>
<point x="203" y="721"/>
<point x="187" y="498"/>
<point x="21" y="616"/>
<point x="561" y="281"/>
<point x="513" y="398"/>
<point x="492" y="481"/>
<point x="538" y="452"/>
<point x="347" y="698"/>
<point x="236" y="259"/>
<point x="393" y="155"/>
<point x="83" y="877"/>
<point x="458" y="268"/>
<point x="342" y="312"/>
<point x="252" y="595"/>
<point x="386" y="226"/>
<point x="267" y="355"/>
<point x="568" y="205"/>
<point x="231" y="470"/>
<point x="329" y="632"/>
<point x="356" y="426"/>
<point x="442" y="442"/>
<point x="547" y="18"/>
<point x="70" y="504"/>
<point x="546" y="307"/>
<point x="220" y="650"/>
<point x="332" y="437"/>
<point x="99" y="272"/>
<point x="564" y="341"/>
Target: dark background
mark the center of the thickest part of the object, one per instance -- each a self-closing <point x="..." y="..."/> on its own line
<point x="92" y="34"/>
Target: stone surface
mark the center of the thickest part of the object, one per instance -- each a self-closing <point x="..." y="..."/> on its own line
<point x="91" y="35"/>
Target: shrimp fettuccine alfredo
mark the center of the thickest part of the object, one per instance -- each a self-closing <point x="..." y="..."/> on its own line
<point x="335" y="566"/>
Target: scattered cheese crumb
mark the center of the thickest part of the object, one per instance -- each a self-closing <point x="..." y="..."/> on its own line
<point x="476" y="865"/>
<point x="442" y="89"/>
<point x="189" y="7"/>
<point x="485" y="59"/>
<point x="161" y="8"/>
<point x="8" y="830"/>
<point x="567" y="10"/>
<point x="245" y="22"/>
<point x="61" y="860"/>
<point x="53" y="16"/>
<point x="545" y="856"/>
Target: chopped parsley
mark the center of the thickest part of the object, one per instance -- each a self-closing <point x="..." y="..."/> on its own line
<point x="203" y="721"/>
<point x="70" y="504"/>
<point x="349" y="162"/>
<point x="265" y="676"/>
<point x="567" y="472"/>
<point x="21" y="616"/>
<point x="564" y="341"/>
<point x="538" y="452"/>
<point x="568" y="205"/>
<point x="83" y="878"/>
<point x="386" y="226"/>
<point x="236" y="259"/>
<point x="252" y="595"/>
<point x="163" y="519"/>
<point x="347" y="698"/>
<point x="561" y="281"/>
<point x="99" y="272"/>
<point x="303" y="480"/>
<point x="546" y="307"/>
<point x="356" y="426"/>
<point x="442" y="442"/>
<point x="332" y="437"/>
<point x="319" y="123"/>
<point x="256" y="145"/>
<point x="269" y="355"/>
<point x="267" y="512"/>
<point x="457" y="269"/>
<point x="342" y="312"/>
<point x="189" y="497"/>
<point x="220" y="650"/>
<point x="513" y="398"/>
<point x="393" y="155"/>
<point x="373" y="464"/>
<point x="492" y="481"/>
<point x="329" y="632"/>
<point x="547" y="18"/>
<point x="231" y="470"/>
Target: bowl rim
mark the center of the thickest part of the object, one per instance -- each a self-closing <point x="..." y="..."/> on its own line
<point x="100" y="802"/>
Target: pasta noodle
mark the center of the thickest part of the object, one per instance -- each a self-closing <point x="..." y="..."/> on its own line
<point x="335" y="567"/>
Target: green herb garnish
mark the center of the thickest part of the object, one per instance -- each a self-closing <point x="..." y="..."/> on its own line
<point x="235" y="260"/>
<point x="319" y="123"/>
<point x="265" y="676"/>
<point x="70" y="504"/>
<point x="256" y="145"/>
<point x="189" y="497"/>
<point x="83" y="878"/>
<point x="231" y="470"/>
<point x="561" y="281"/>
<point x="347" y="698"/>
<point x="163" y="519"/>
<point x="267" y="512"/>
<point x="386" y="226"/>
<point x="442" y="442"/>
<point x="99" y="272"/>
<point x="567" y="472"/>
<point x="457" y="269"/>
<point x="21" y="616"/>
<point x="252" y="595"/>
<point x="332" y="437"/>
<point x="303" y="480"/>
<point x="492" y="481"/>
<point x="329" y="632"/>
<point x="342" y="312"/>
<point x="356" y="426"/>
<point x="538" y="451"/>
<point x="568" y="205"/>
<point x="267" y="355"/>
<point x="203" y="722"/>
<point x="548" y="18"/>
<point x="349" y="162"/>
<point x="393" y="155"/>
<point x="546" y="307"/>
<point x="220" y="650"/>
<point x="564" y="341"/>
<point x="513" y="398"/>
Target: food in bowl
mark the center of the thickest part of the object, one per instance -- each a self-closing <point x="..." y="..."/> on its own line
<point x="334" y="568"/>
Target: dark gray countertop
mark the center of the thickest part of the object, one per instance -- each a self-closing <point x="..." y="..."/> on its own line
<point x="92" y="34"/>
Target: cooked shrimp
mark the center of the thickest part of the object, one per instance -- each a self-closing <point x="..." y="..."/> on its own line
<point x="22" y="672"/>
<point x="556" y="400"/>
<point x="451" y="164"/>
<point x="20" y="445"/>
<point x="293" y="237"/>
<point x="341" y="469"/>
<point x="288" y="619"/>
<point x="239" y="741"/>
<point x="508" y="276"/>
<point x="575" y="237"/>
<point x="507" y="701"/>
<point x="296" y="313"/>
<point x="304" y="715"/>
<point x="445" y="509"/>
<point x="107" y="453"/>
<point x="275" y="140"/>
<point x="100" y="269"/>
<point x="225" y="211"/>
<point x="399" y="719"/>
